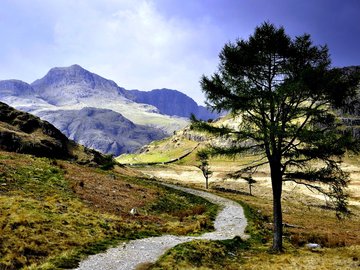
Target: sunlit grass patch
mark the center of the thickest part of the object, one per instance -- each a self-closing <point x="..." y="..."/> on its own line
<point x="160" y="151"/>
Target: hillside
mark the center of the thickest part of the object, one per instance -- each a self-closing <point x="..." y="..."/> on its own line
<point x="24" y="133"/>
<point x="308" y="217"/>
<point x="184" y="144"/>
<point x="58" y="204"/>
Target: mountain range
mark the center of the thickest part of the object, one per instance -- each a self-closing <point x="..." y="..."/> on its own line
<point x="99" y="114"/>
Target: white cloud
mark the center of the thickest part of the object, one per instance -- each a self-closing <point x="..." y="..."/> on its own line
<point x="136" y="46"/>
<point x="127" y="41"/>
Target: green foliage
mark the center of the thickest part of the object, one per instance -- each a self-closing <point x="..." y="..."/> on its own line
<point x="203" y="157"/>
<point x="285" y="91"/>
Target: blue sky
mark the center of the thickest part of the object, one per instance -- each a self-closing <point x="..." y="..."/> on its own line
<point x="147" y="44"/>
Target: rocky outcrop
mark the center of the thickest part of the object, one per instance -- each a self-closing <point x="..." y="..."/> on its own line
<point x="350" y="114"/>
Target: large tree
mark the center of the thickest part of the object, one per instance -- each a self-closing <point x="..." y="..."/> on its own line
<point x="286" y="93"/>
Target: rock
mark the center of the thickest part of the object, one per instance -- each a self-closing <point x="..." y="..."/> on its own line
<point x="312" y="246"/>
<point x="134" y="212"/>
<point x="25" y="133"/>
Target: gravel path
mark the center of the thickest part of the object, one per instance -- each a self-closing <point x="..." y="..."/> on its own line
<point x="230" y="222"/>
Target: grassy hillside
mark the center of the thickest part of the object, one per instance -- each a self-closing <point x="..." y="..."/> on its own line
<point x="53" y="213"/>
<point x="160" y="151"/>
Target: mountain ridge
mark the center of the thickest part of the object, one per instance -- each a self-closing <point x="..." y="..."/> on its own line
<point x="74" y="88"/>
<point x="180" y="105"/>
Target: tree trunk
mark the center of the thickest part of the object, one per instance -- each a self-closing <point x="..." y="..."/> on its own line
<point x="276" y="181"/>
<point x="206" y="182"/>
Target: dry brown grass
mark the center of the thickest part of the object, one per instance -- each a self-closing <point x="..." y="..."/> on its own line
<point x="314" y="222"/>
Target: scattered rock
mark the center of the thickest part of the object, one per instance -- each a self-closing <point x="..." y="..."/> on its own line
<point x="312" y="246"/>
<point x="134" y="212"/>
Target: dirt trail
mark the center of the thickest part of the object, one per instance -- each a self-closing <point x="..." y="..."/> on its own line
<point x="230" y="222"/>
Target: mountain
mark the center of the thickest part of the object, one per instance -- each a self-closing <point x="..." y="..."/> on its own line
<point x="102" y="129"/>
<point x="62" y="94"/>
<point x="21" y="95"/>
<point x="73" y="88"/>
<point x="71" y="85"/>
<point x="24" y="133"/>
<point x="171" y="102"/>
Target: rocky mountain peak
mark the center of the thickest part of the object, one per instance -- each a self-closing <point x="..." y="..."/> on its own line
<point x="75" y="74"/>
<point x="69" y="85"/>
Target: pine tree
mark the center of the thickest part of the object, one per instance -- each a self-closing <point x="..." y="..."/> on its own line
<point x="286" y="93"/>
<point x="203" y="157"/>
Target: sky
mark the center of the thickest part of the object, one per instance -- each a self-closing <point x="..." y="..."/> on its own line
<point x="152" y="44"/>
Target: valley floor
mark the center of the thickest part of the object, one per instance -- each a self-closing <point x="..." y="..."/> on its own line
<point x="307" y="219"/>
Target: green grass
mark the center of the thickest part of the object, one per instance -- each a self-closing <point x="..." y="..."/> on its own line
<point x="45" y="225"/>
<point x="203" y="254"/>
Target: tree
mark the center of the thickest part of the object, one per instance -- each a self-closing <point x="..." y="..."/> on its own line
<point x="251" y="181"/>
<point x="286" y="93"/>
<point x="203" y="157"/>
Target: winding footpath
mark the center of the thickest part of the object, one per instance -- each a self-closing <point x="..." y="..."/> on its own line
<point x="230" y="222"/>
